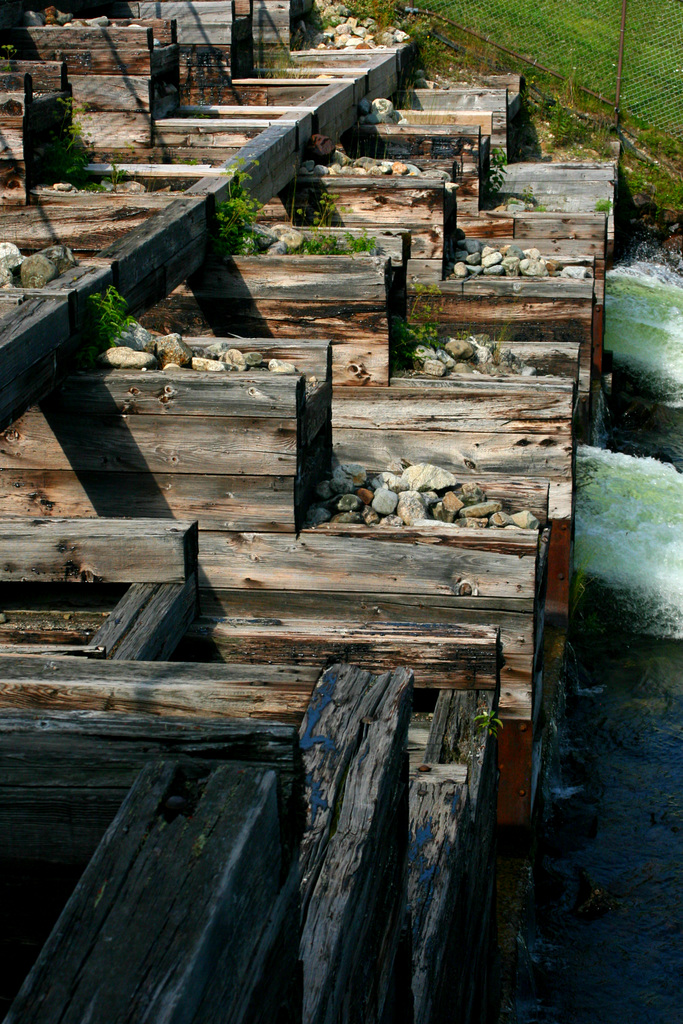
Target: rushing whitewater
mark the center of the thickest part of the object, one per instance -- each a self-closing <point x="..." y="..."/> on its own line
<point x="629" y="515"/>
<point x="629" y="535"/>
<point x="644" y="324"/>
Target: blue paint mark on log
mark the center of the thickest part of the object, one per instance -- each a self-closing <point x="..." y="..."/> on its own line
<point x="423" y="835"/>
<point x="318" y="801"/>
<point x="322" y="696"/>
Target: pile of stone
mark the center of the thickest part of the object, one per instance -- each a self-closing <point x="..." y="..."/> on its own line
<point x="342" y="31"/>
<point x="17" y="271"/>
<point x="478" y="353"/>
<point x="138" y="349"/>
<point x="104" y="185"/>
<point x="405" y="495"/>
<point x="474" y="257"/>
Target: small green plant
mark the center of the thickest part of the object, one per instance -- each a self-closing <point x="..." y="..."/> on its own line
<point x="325" y="244"/>
<point x="106" y="317"/>
<point x="495" y="179"/>
<point x="8" y="52"/>
<point x="66" y="156"/>
<point x="422" y="330"/>
<point x="233" y="233"/>
<point x="603" y="206"/>
<point x="528" y="195"/>
<point x="487" y="720"/>
<point x="116" y="175"/>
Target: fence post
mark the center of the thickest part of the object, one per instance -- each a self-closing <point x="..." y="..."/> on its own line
<point x="621" y="61"/>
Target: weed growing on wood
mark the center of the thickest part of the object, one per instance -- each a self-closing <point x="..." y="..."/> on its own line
<point x="422" y="330"/>
<point x="7" y="52"/>
<point x="495" y="179"/>
<point x="324" y="244"/>
<point x="66" y="156"/>
<point x="487" y="720"/>
<point x="106" y="317"/>
<point x="234" y="221"/>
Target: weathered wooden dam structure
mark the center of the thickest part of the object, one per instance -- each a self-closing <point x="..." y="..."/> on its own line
<point x="245" y="760"/>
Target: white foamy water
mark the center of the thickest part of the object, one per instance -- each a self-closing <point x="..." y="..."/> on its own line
<point x="629" y="535"/>
<point x="644" y="324"/>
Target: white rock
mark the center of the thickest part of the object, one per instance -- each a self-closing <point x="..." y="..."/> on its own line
<point x="423" y="476"/>
<point x="10" y="255"/>
<point x="233" y="357"/>
<point x="32" y="19"/>
<point x="124" y="358"/>
<point x="208" y="365"/>
<point x="575" y="273"/>
<point x="382" y="107"/>
<point x="281" y="366"/>
<point x="491" y="259"/>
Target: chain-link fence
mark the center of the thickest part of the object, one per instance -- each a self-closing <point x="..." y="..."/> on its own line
<point x="581" y="40"/>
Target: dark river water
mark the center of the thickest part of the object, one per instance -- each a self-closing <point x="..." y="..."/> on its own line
<point x="609" y="913"/>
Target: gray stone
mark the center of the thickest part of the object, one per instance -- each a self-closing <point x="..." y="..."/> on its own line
<point x="525" y="520"/>
<point x="533" y="254"/>
<point x="357" y="472"/>
<point x="349" y="503"/>
<point x="528" y="371"/>
<point x="447" y="360"/>
<point x="480" y="511"/>
<point x="61" y="256"/>
<point x="341" y="482"/>
<point x="124" y="358"/>
<point x="423" y="476"/>
<point x="515" y="250"/>
<point x="321" y="171"/>
<point x="172" y="349"/>
<point x="307" y="166"/>
<point x="324" y="490"/>
<point x="385" y="501"/>
<point x="263" y="237"/>
<point x="137" y="338"/>
<point x="278" y="248"/>
<point x="208" y="365"/>
<point x="364" y="106"/>
<point x="434" y="368"/>
<point x="33" y="19"/>
<point x="463" y="368"/>
<point x="37" y="271"/>
<point x="423" y="352"/>
<point x="411" y="507"/>
<point x="461" y="255"/>
<point x="472" y="245"/>
<point x="473" y="259"/>
<point x="476" y="271"/>
<point x="488" y="250"/>
<point x="459" y="271"/>
<point x="100" y="22"/>
<point x="491" y="259"/>
<point x="10" y="256"/>
<point x="6" y="276"/>
<point x="458" y="348"/>
<point x="500" y="519"/>
<point x="253" y="359"/>
<point x="318" y="514"/>
<point x="575" y="273"/>
<point x="497" y="271"/>
<point x="281" y="366"/>
<point x="292" y="239"/>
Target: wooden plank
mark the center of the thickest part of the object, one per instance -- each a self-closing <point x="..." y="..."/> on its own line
<point x="111" y="92"/>
<point x="46" y="76"/>
<point x="66" y="773"/>
<point x="149" y="621"/>
<point x="422" y="560"/>
<point x="454" y="657"/>
<point x="156" y="688"/>
<point x="211" y="444"/>
<point x="353" y="858"/>
<point x="180" y="229"/>
<point x="109" y="551"/>
<point x="86" y="223"/>
<point x="217" y="502"/>
<point x="154" y="869"/>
